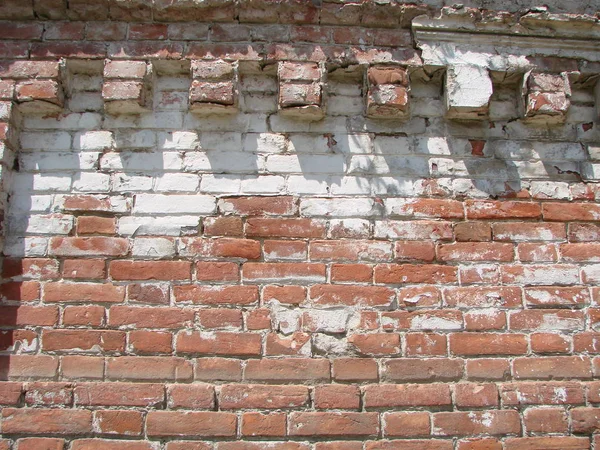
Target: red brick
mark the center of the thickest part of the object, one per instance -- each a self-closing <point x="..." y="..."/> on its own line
<point x="148" y="293"/>
<point x="479" y="274"/>
<point x="429" y="207"/>
<point x="105" y="31"/>
<point x="217" y="271"/>
<point x="585" y="420"/>
<point x="378" y="344"/>
<point x="429" y="344"/>
<point x="350" y="250"/>
<point x="259" y="206"/>
<point x="286" y="228"/>
<point x="584" y="232"/>
<point x="148" y="368"/>
<point x="190" y="423"/>
<point x="28" y="315"/>
<point x="48" y="394"/>
<point x="528" y="231"/>
<point x="291" y="295"/>
<point x="406" y="395"/>
<point x="220" y="248"/>
<point x="23" y="291"/>
<point x="285" y="250"/>
<point x="85" y="203"/>
<point x="284" y="272"/>
<point x="583" y="252"/>
<point x="550" y="343"/>
<point x="557" y="297"/>
<point x="552" y="367"/>
<point x="38" y="268"/>
<point x="336" y="396"/>
<point x="148" y="342"/>
<point x="485" y="319"/>
<point x="96" y="225"/>
<point x="406" y="424"/>
<point x="119" y="422"/>
<point x="219" y="343"/>
<point x="475" y="251"/>
<point x="488" y="369"/>
<point x="333" y="424"/>
<point x="360" y="273"/>
<point x="480" y="209"/>
<point x="585" y="342"/>
<point x="218" y="369"/>
<point x="154" y="317"/>
<point x="472" y="231"/>
<point x="294" y="344"/>
<point x="238" y="445"/>
<point x="220" y="318"/>
<point x="91" y="316"/>
<point x="88" y="246"/>
<point x="547" y="319"/>
<point x="535" y="252"/>
<point x="10" y="393"/>
<point x="84" y="268"/>
<point x="287" y="370"/>
<point x="150" y="270"/>
<point x="479" y="444"/>
<point x="472" y="344"/>
<point x="571" y="212"/>
<point x="414" y="251"/>
<point x="39" y="444"/>
<point x="147" y="31"/>
<point x="547" y="443"/>
<point x="257" y="396"/>
<point x="339" y="445"/>
<point x="255" y="424"/>
<point x="354" y="369"/>
<point x="223" y="226"/>
<point x="413" y="444"/>
<point x="546" y="420"/>
<point x="476" y="422"/>
<point x="351" y="295"/>
<point x="414" y="273"/>
<point x="28" y="366"/>
<point x="21" y="30"/>
<point x="258" y="319"/>
<point x="46" y="421"/>
<point x="419" y="296"/>
<point x="191" y="396"/>
<point x="213" y="295"/>
<point x="83" y="340"/>
<point x="422" y="370"/>
<point x="82" y="367"/>
<point x="473" y="395"/>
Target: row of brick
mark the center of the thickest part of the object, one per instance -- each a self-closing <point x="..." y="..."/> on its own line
<point x="558" y="394"/>
<point x="297" y="369"/>
<point x="299" y="424"/>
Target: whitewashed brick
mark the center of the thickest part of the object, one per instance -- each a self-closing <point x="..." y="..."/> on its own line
<point x="351" y="186"/>
<point x="58" y="161"/>
<point x="467" y="91"/>
<point x="172" y="83"/>
<point x="223" y="142"/>
<point x="24" y="203"/>
<point x="265" y="143"/>
<point x="170" y="100"/>
<point x="178" y="140"/>
<point x="83" y="82"/>
<point x="340" y="207"/>
<point x="174" y="204"/>
<point x="93" y="140"/>
<point x="342" y="105"/>
<point x="407" y="166"/>
<point x="135" y="139"/>
<point x="392" y="145"/>
<point x="299" y="184"/>
<point x="309" y="143"/>
<point x="25" y="247"/>
<point x="177" y="182"/>
<point x="220" y="184"/>
<point x="155" y="247"/>
<point x="403" y="187"/>
<point x="167" y="120"/>
<point x="357" y="143"/>
<point x="223" y="162"/>
<point x="55" y="140"/>
<point x="122" y="182"/>
<point x="306" y="164"/>
<point x="74" y="121"/>
<point x="358" y="228"/>
<point x="550" y="189"/>
<point x="41" y="182"/>
<point x="91" y="182"/>
<point x="118" y="203"/>
<point x="141" y="161"/>
<point x="268" y="184"/>
<point x="157" y="226"/>
<point x="85" y="101"/>
<point x="36" y="224"/>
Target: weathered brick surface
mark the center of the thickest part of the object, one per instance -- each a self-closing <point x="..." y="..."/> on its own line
<point x="390" y="241"/>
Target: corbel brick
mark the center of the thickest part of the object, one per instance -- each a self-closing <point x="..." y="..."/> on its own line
<point x="467" y="92"/>
<point x="214" y="87"/>
<point x="38" y="85"/>
<point x="597" y="99"/>
<point x="300" y="90"/>
<point x="127" y="87"/>
<point x="545" y="97"/>
<point x="388" y="92"/>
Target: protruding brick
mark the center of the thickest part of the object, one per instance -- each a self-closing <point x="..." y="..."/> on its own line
<point x="545" y="97"/>
<point x="127" y="87"/>
<point x="214" y="87"/>
<point x="388" y="94"/>
<point x="300" y="90"/>
<point x="467" y="92"/>
<point x="40" y="96"/>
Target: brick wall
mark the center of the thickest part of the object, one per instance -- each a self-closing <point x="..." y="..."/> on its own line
<point x="298" y="226"/>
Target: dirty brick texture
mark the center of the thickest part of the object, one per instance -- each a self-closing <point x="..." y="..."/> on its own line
<point x="299" y="225"/>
